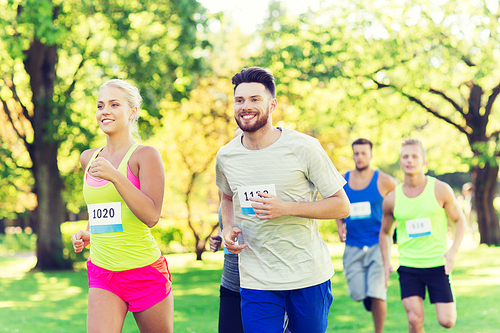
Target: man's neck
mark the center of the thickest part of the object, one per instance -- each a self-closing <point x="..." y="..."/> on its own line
<point x="261" y="138"/>
<point x="363" y="173"/>
<point x="416" y="180"/>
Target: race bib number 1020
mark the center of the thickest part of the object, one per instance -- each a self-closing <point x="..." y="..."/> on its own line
<point x="247" y="192"/>
<point x="105" y="217"/>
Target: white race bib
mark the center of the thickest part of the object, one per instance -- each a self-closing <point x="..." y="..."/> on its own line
<point x="247" y="192"/>
<point x="360" y="210"/>
<point x="419" y="227"/>
<point x="105" y="217"/>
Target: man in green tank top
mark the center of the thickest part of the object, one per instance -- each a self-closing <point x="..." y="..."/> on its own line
<point x="421" y="207"/>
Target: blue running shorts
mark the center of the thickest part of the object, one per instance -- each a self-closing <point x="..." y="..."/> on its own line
<point x="263" y="311"/>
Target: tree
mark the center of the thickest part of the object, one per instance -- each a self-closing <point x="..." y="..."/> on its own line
<point x="402" y="60"/>
<point x="15" y="182"/>
<point x="195" y="129"/>
<point x="55" y="53"/>
<point x="189" y="142"/>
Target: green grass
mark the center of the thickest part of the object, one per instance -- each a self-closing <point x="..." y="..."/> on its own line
<point x="57" y="301"/>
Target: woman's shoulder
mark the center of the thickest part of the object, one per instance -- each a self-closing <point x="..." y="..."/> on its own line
<point x="86" y="155"/>
<point x="146" y="150"/>
<point x="145" y="154"/>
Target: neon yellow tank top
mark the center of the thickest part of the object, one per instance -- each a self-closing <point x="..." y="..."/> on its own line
<point x="422" y="228"/>
<point x="118" y="251"/>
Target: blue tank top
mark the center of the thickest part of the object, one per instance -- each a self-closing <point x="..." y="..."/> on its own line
<point x="363" y="224"/>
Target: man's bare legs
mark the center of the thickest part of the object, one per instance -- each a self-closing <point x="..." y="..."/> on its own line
<point x="379" y="312"/>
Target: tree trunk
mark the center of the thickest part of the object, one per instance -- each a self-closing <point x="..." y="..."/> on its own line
<point x="485" y="189"/>
<point x="40" y="64"/>
<point x="50" y="210"/>
<point x="200" y="248"/>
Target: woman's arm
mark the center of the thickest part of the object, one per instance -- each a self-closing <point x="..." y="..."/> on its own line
<point x="145" y="203"/>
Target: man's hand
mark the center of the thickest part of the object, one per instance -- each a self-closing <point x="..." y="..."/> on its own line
<point x="215" y="243"/>
<point x="450" y="261"/>
<point x="388" y="271"/>
<point x="268" y="206"/>
<point x="342" y="232"/>
<point x="229" y="237"/>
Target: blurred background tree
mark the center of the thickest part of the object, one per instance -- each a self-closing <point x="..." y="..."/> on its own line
<point x="54" y="56"/>
<point x="193" y="131"/>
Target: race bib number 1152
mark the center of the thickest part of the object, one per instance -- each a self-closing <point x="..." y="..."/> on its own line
<point x="247" y="192"/>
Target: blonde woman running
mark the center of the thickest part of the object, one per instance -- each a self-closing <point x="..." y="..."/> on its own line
<point x="123" y="188"/>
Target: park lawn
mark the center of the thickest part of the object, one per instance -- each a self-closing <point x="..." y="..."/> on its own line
<point x="57" y="301"/>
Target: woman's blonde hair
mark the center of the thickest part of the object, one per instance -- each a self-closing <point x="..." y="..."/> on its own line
<point x="133" y="98"/>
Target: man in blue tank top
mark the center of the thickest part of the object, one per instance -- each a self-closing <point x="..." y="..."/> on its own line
<point x="363" y="265"/>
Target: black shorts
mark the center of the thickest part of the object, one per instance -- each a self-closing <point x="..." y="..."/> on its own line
<point x="230" y="312"/>
<point x="414" y="280"/>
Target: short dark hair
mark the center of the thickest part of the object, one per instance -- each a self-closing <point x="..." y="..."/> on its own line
<point x="258" y="75"/>
<point x="362" y="141"/>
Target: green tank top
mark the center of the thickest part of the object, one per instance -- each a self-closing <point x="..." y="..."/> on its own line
<point x="422" y="228"/>
<point x="118" y="251"/>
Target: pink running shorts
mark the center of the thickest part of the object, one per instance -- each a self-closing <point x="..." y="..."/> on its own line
<point x="140" y="288"/>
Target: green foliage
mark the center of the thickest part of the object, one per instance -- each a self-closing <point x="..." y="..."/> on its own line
<point x="170" y="237"/>
<point x="485" y="153"/>
<point x="153" y="43"/>
<point x="150" y="44"/>
<point x="328" y="230"/>
<point x="193" y="131"/>
<point x="348" y="69"/>
<point x="14" y="243"/>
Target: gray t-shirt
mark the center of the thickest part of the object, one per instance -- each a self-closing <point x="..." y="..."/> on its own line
<point x="230" y="278"/>
<point x="288" y="252"/>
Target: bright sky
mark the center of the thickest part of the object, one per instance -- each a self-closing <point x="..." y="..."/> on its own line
<point x="250" y="13"/>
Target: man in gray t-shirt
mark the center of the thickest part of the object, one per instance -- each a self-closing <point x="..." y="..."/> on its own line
<point x="270" y="178"/>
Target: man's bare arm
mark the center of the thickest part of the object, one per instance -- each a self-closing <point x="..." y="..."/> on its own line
<point x="336" y="206"/>
<point x="386" y="230"/>
<point x="230" y="231"/>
